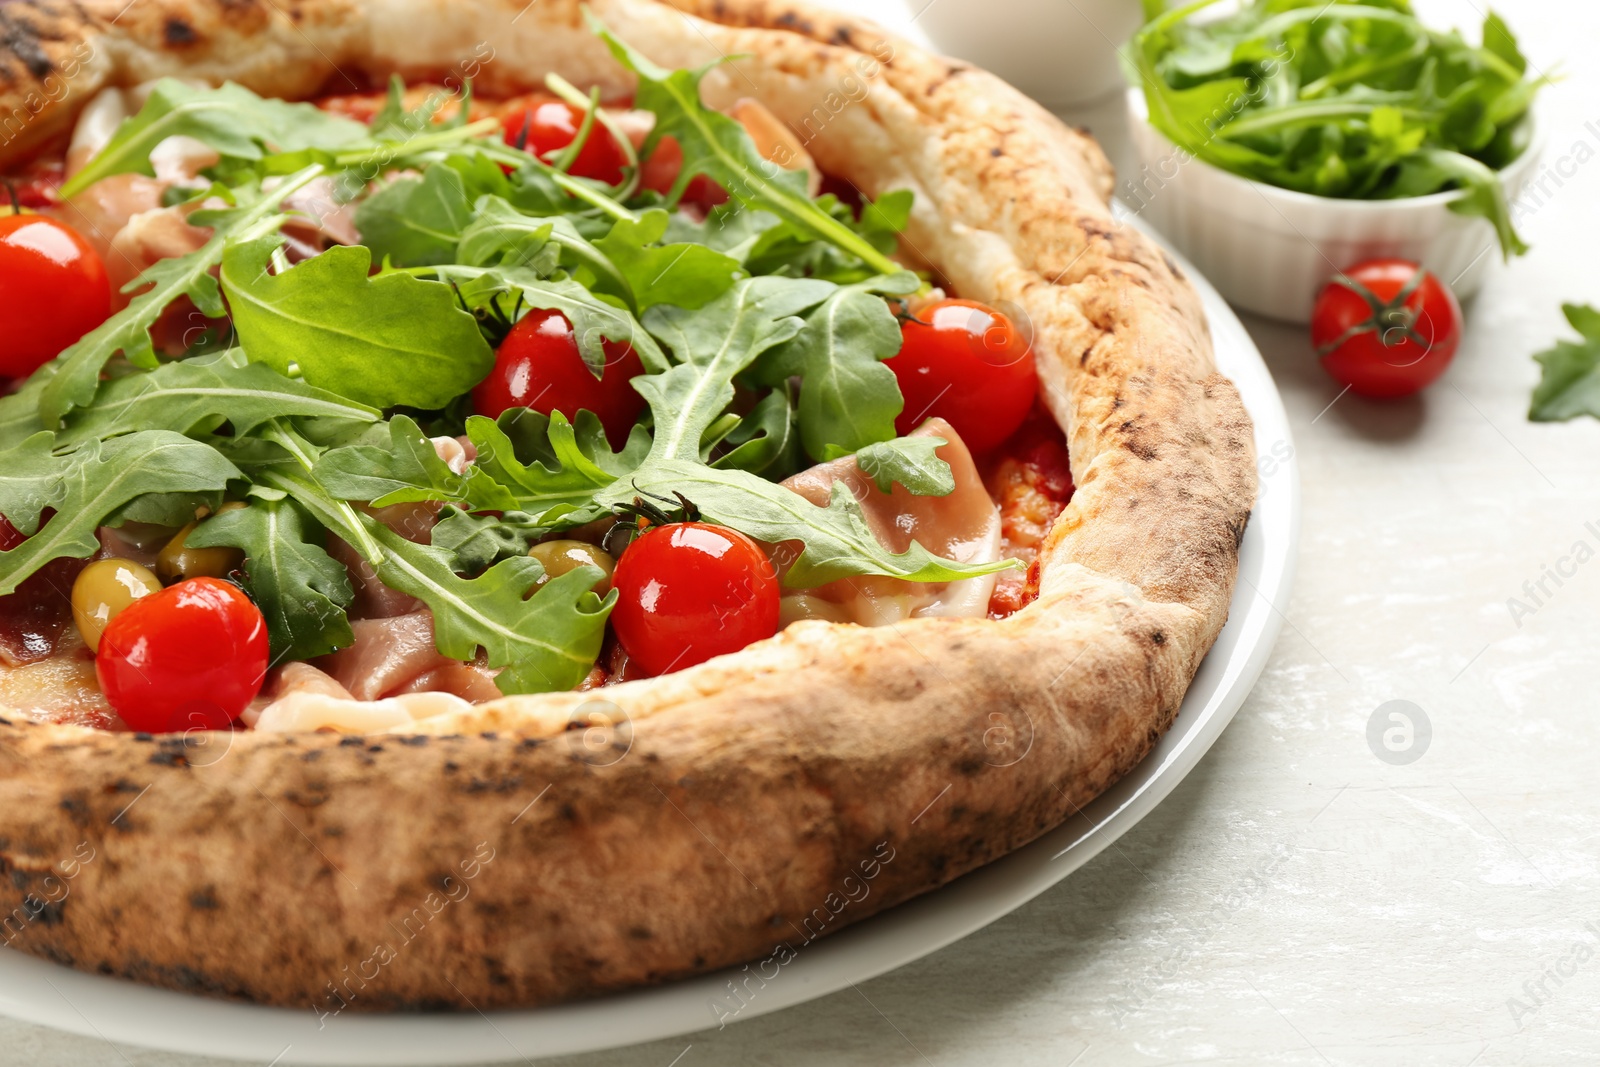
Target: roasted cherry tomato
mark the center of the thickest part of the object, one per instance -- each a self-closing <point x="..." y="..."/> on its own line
<point x="660" y="172"/>
<point x="689" y="591"/>
<point x="192" y="656"/>
<point x="968" y="364"/>
<point x="53" y="288"/>
<point x="1386" y="328"/>
<point x="547" y="125"/>
<point x="538" y="366"/>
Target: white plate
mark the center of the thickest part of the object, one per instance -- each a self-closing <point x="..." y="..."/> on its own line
<point x="119" y="1011"/>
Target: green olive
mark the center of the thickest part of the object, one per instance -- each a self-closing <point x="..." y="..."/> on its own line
<point x="102" y="590"/>
<point x="178" y="561"/>
<point x="559" y="557"/>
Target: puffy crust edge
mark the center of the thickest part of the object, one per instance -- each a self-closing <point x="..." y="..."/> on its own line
<point x="540" y="848"/>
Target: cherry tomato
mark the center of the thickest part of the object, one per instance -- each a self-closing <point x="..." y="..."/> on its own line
<point x="191" y="656"/>
<point x="552" y="125"/>
<point x="53" y="287"/>
<point x="660" y="172"/>
<point x="538" y="366"/>
<point x="968" y="364"/>
<point x="689" y="591"/>
<point x="1386" y="329"/>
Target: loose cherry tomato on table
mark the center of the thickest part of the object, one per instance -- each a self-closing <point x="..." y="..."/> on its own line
<point x="539" y="366"/>
<point x="968" y="364"/>
<point x="548" y="125"/>
<point x="191" y="656"/>
<point x="53" y="285"/>
<point x="688" y="591"/>
<point x="1386" y="328"/>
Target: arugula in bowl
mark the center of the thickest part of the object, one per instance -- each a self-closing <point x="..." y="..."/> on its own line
<point x="1355" y="101"/>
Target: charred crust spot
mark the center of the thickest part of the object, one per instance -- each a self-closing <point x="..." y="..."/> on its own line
<point x="996" y="152"/>
<point x="22" y="39"/>
<point x="970" y="766"/>
<point x="352" y="742"/>
<point x="640" y="933"/>
<point x="489" y="735"/>
<point x="169" y="759"/>
<point x="415" y="740"/>
<point x="374" y="748"/>
<point x="142" y="736"/>
<point x="1158" y="638"/>
<point x="178" y="33"/>
<point x="528" y="744"/>
<point x="203" y="899"/>
<point x="1177" y="272"/>
<point x="450" y="766"/>
<point x="1238" y="529"/>
<point x="569" y="813"/>
<point x="1143" y="451"/>
<point x="699" y="962"/>
<point x="312" y="756"/>
<point x="842" y="35"/>
<point x="122" y="785"/>
<point x="509" y="784"/>
<point x="792" y="21"/>
<point x="75" y="806"/>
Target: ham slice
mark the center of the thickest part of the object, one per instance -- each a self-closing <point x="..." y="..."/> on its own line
<point x="962" y="525"/>
<point x="397" y="655"/>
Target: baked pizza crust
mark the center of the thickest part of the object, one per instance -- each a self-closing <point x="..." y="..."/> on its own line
<point x="540" y="848"/>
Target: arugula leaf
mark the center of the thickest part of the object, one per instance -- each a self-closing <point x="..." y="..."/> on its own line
<point x="568" y="464"/>
<point x="502" y="235"/>
<point x="87" y="486"/>
<point x="685" y="275"/>
<point x="406" y="468"/>
<point x="415" y="222"/>
<point x="477" y="542"/>
<point x="912" y="461"/>
<point x="716" y="145"/>
<point x="231" y="119"/>
<point x="75" y="374"/>
<point x="848" y="398"/>
<point x="594" y="321"/>
<point x="384" y="341"/>
<point x="19" y="412"/>
<point x="837" y="541"/>
<point x="714" y="343"/>
<point x="1569" y="384"/>
<point x="764" y="442"/>
<point x="301" y="590"/>
<point x="199" y="395"/>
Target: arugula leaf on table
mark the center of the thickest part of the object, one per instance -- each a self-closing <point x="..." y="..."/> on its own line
<point x="566" y="464"/>
<point x="87" y="486"/>
<point x="199" y="395"/>
<point x="301" y="590"/>
<point x="384" y="341"/>
<point x="404" y="469"/>
<point x="848" y="397"/>
<point x="1569" y="384"/>
<point x="686" y="275"/>
<point x="716" y="145"/>
<point x="913" y="462"/>
<point x="231" y="119"/>
<point x="74" y="376"/>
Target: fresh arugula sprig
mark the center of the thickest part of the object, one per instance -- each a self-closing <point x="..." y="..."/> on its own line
<point x="1569" y="382"/>
<point x="72" y="378"/>
<point x="1353" y="100"/>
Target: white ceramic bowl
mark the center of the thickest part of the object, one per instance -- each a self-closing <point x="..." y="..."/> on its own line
<point x="1271" y="250"/>
<point x="1057" y="51"/>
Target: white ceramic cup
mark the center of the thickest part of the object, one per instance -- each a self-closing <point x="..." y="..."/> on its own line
<point x="1057" y="51"/>
<point x="1271" y="250"/>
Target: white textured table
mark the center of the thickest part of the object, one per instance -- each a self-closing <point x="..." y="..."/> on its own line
<point x="1297" y="900"/>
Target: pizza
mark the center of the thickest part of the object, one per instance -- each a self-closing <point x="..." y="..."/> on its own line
<point x="503" y="503"/>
